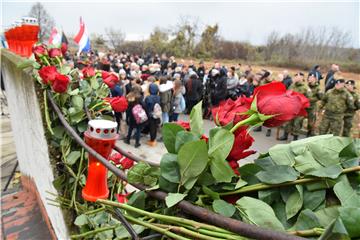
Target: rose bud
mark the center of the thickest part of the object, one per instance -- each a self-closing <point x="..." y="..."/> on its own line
<point x="39" y="50"/>
<point x="110" y="79"/>
<point x="242" y="142"/>
<point x="126" y="163"/>
<point x="60" y="83"/>
<point x="55" y="52"/>
<point x="230" y="111"/>
<point x="116" y="157"/>
<point x="122" y="198"/>
<point x="118" y="104"/>
<point x="48" y="74"/>
<point x="88" y="72"/>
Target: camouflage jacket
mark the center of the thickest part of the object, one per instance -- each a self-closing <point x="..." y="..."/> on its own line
<point x="356" y="99"/>
<point x="337" y="101"/>
<point x="316" y="94"/>
<point x="301" y="87"/>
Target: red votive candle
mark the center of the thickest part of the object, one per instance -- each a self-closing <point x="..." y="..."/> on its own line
<point x="101" y="136"/>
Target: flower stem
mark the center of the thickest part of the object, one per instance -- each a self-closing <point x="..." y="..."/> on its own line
<point x="308" y="233"/>
<point x="90" y="233"/>
<point x="156" y="228"/>
<point x="262" y="186"/>
<point x="169" y="219"/>
<point x="73" y="198"/>
<point x="246" y="121"/>
<point x="194" y="235"/>
<point x="47" y="116"/>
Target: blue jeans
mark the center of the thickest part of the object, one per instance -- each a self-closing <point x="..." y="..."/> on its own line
<point x="137" y="133"/>
<point x="174" y="117"/>
<point x="165" y="117"/>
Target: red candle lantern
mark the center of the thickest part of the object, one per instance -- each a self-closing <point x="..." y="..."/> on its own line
<point x="101" y="136"/>
<point x="31" y="30"/>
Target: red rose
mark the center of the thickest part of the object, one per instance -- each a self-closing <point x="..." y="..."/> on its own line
<point x="127" y="163"/>
<point x="64" y="48"/>
<point x="122" y="198"/>
<point x="88" y="72"/>
<point x="204" y="137"/>
<point x="234" y="165"/>
<point x="110" y="79"/>
<point x="39" y="50"/>
<point x="285" y="105"/>
<point x="48" y="74"/>
<point x="185" y="125"/>
<point x="55" y="52"/>
<point x="230" y="110"/>
<point x="60" y="83"/>
<point x="242" y="142"/>
<point x="118" y="104"/>
<point x="116" y="157"/>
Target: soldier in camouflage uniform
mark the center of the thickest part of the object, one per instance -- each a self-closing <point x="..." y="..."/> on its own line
<point x="335" y="103"/>
<point x="315" y="96"/>
<point x="350" y="113"/>
<point x="294" y="126"/>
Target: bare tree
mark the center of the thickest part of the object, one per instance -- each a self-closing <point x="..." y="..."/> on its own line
<point x="185" y="33"/>
<point x="46" y="22"/>
<point x="115" y="37"/>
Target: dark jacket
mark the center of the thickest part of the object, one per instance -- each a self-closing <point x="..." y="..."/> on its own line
<point x="117" y="91"/>
<point x="287" y="81"/>
<point x="201" y="72"/>
<point x="317" y="73"/>
<point x="218" y="89"/>
<point x="329" y="80"/>
<point x="194" y="89"/>
<point x="130" y="120"/>
<point x="152" y="99"/>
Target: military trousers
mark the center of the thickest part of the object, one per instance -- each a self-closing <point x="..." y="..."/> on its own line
<point x="331" y="123"/>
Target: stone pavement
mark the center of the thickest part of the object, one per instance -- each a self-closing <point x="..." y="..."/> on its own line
<point x="154" y="154"/>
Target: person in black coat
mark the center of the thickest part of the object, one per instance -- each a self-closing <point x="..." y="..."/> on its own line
<point x="287" y="81"/>
<point x="330" y="77"/>
<point x="316" y="72"/>
<point x="218" y="87"/>
<point x="194" y="91"/>
<point x="150" y="102"/>
<point x="201" y="70"/>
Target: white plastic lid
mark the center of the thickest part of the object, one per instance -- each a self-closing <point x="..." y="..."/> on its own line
<point x="103" y="129"/>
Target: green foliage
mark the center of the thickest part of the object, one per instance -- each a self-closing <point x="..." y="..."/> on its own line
<point x="143" y="173"/>
<point x="174" y="198"/>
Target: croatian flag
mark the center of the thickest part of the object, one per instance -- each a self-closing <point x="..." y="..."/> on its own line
<point x="82" y="38"/>
<point x="55" y="37"/>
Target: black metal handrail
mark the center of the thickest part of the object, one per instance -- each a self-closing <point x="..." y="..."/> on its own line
<point x="244" y="229"/>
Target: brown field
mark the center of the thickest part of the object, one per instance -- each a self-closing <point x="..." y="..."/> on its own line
<point x="292" y="71"/>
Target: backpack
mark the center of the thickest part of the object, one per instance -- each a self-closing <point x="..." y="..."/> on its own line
<point x="139" y="114"/>
<point x="157" y="112"/>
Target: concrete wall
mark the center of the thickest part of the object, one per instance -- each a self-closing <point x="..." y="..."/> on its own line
<point x="28" y="131"/>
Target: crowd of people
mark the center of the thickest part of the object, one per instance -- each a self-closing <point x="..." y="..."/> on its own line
<point x="165" y="88"/>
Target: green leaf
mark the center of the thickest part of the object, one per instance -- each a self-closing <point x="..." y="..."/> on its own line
<point x="65" y="69"/>
<point x="281" y="154"/>
<point x="277" y="174"/>
<point x="240" y="183"/>
<point x="73" y="157"/>
<point x="210" y="193"/>
<point x="192" y="160"/>
<point x="324" y="184"/>
<point x="313" y="199"/>
<point x="326" y="151"/>
<point x="221" y="170"/>
<point x="25" y="64"/>
<point x="167" y="186"/>
<point x="77" y="102"/>
<point x="206" y="179"/>
<point x="169" y="168"/>
<point x="59" y="131"/>
<point x="122" y="233"/>
<point x="335" y="231"/>
<point x="143" y="173"/>
<point x="183" y="137"/>
<point x="326" y="215"/>
<point x="265" y="162"/>
<point x="94" y="83"/>
<point x="306" y="220"/>
<point x="279" y="209"/>
<point x="349" y="156"/>
<point x="269" y="196"/>
<point x="82" y="126"/>
<point x="74" y="92"/>
<point x="223" y="208"/>
<point x="346" y="194"/>
<point x="220" y="143"/>
<point x="305" y="163"/>
<point x="137" y="200"/>
<point x="295" y="202"/>
<point x="258" y="212"/>
<point x="196" y="120"/>
<point x="351" y="219"/>
<point x="81" y="220"/>
<point x="248" y="171"/>
<point x="174" y="198"/>
<point x="332" y="171"/>
<point x="169" y="131"/>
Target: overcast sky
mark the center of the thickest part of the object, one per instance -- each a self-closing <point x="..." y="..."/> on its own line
<point x="243" y="21"/>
